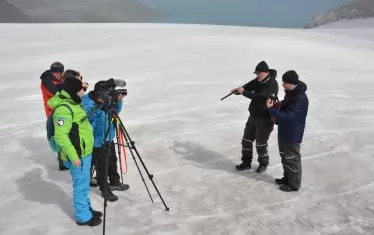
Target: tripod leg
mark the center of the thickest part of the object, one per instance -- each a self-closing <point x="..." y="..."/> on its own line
<point x="119" y="150"/>
<point x="106" y="163"/>
<point x="133" y="147"/>
<point x="105" y="187"/>
<point x="137" y="166"/>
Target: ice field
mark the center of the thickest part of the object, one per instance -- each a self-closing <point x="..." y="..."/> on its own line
<point x="187" y="137"/>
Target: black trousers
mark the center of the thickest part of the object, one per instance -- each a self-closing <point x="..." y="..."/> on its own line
<point x="258" y="129"/>
<point x="99" y="156"/>
<point x="291" y="161"/>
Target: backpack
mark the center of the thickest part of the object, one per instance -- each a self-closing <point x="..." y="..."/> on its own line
<point x="50" y="126"/>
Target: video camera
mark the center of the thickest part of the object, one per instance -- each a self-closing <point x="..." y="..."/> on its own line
<point x="106" y="90"/>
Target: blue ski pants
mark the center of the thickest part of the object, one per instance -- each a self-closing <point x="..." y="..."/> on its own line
<point x="81" y="188"/>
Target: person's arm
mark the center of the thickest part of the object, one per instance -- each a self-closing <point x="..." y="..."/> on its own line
<point x="97" y="118"/>
<point x="48" y="84"/>
<point x="263" y="95"/>
<point x="250" y="85"/>
<point x="63" y="123"/>
<point x="289" y="114"/>
<point x="119" y="106"/>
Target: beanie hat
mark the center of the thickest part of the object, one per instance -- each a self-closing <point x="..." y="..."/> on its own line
<point x="72" y="85"/>
<point x="290" y="77"/>
<point x="57" y="67"/>
<point x="262" y="67"/>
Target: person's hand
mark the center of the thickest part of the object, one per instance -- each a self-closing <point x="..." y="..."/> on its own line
<point x="100" y="100"/>
<point x="235" y="91"/>
<point x="240" y="90"/>
<point x="269" y="103"/>
<point x="120" y="97"/>
<point x="85" y="84"/>
<point x="77" y="163"/>
<point x="277" y="105"/>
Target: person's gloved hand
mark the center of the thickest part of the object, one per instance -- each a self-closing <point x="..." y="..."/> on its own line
<point x="277" y="105"/>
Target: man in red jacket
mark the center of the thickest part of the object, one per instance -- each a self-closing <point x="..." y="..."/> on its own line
<point x="49" y="80"/>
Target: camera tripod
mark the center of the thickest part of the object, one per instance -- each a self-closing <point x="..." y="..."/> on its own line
<point x="130" y="144"/>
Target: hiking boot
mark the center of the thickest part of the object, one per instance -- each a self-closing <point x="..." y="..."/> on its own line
<point x="92" y="222"/>
<point x="96" y="213"/>
<point x="119" y="187"/>
<point x="110" y="196"/>
<point x="287" y="188"/>
<point x="243" y="166"/>
<point x="281" y="181"/>
<point x="261" y="168"/>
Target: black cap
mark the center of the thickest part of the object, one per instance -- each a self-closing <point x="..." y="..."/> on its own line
<point x="100" y="85"/>
<point x="290" y="77"/>
<point x="57" y="67"/>
<point x="72" y="85"/>
<point x="262" y="67"/>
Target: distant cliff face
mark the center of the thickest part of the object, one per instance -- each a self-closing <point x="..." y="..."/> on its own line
<point x="83" y="11"/>
<point x="11" y="14"/>
<point x="354" y="10"/>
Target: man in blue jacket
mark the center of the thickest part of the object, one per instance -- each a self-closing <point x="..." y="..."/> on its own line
<point x="290" y="116"/>
<point x="100" y="123"/>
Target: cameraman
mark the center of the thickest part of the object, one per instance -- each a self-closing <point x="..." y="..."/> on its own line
<point x="100" y="120"/>
<point x="259" y="125"/>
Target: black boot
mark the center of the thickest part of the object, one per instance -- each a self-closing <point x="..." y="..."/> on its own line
<point x="96" y="213"/>
<point x="287" y="188"/>
<point x="261" y="168"/>
<point x="243" y="166"/>
<point x="281" y="181"/>
<point x="92" y="222"/>
<point x="110" y="196"/>
<point x="119" y="187"/>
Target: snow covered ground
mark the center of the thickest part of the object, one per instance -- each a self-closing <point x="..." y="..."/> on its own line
<point x="188" y="138"/>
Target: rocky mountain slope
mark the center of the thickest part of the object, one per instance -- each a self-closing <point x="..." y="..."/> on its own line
<point x="10" y="13"/>
<point x="352" y="10"/>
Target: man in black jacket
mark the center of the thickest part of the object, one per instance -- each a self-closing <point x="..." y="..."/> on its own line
<point x="259" y="125"/>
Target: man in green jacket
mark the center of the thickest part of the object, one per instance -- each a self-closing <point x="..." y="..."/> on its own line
<point x="75" y="139"/>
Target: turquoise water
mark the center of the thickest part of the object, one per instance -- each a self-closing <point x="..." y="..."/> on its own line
<point x="264" y="13"/>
